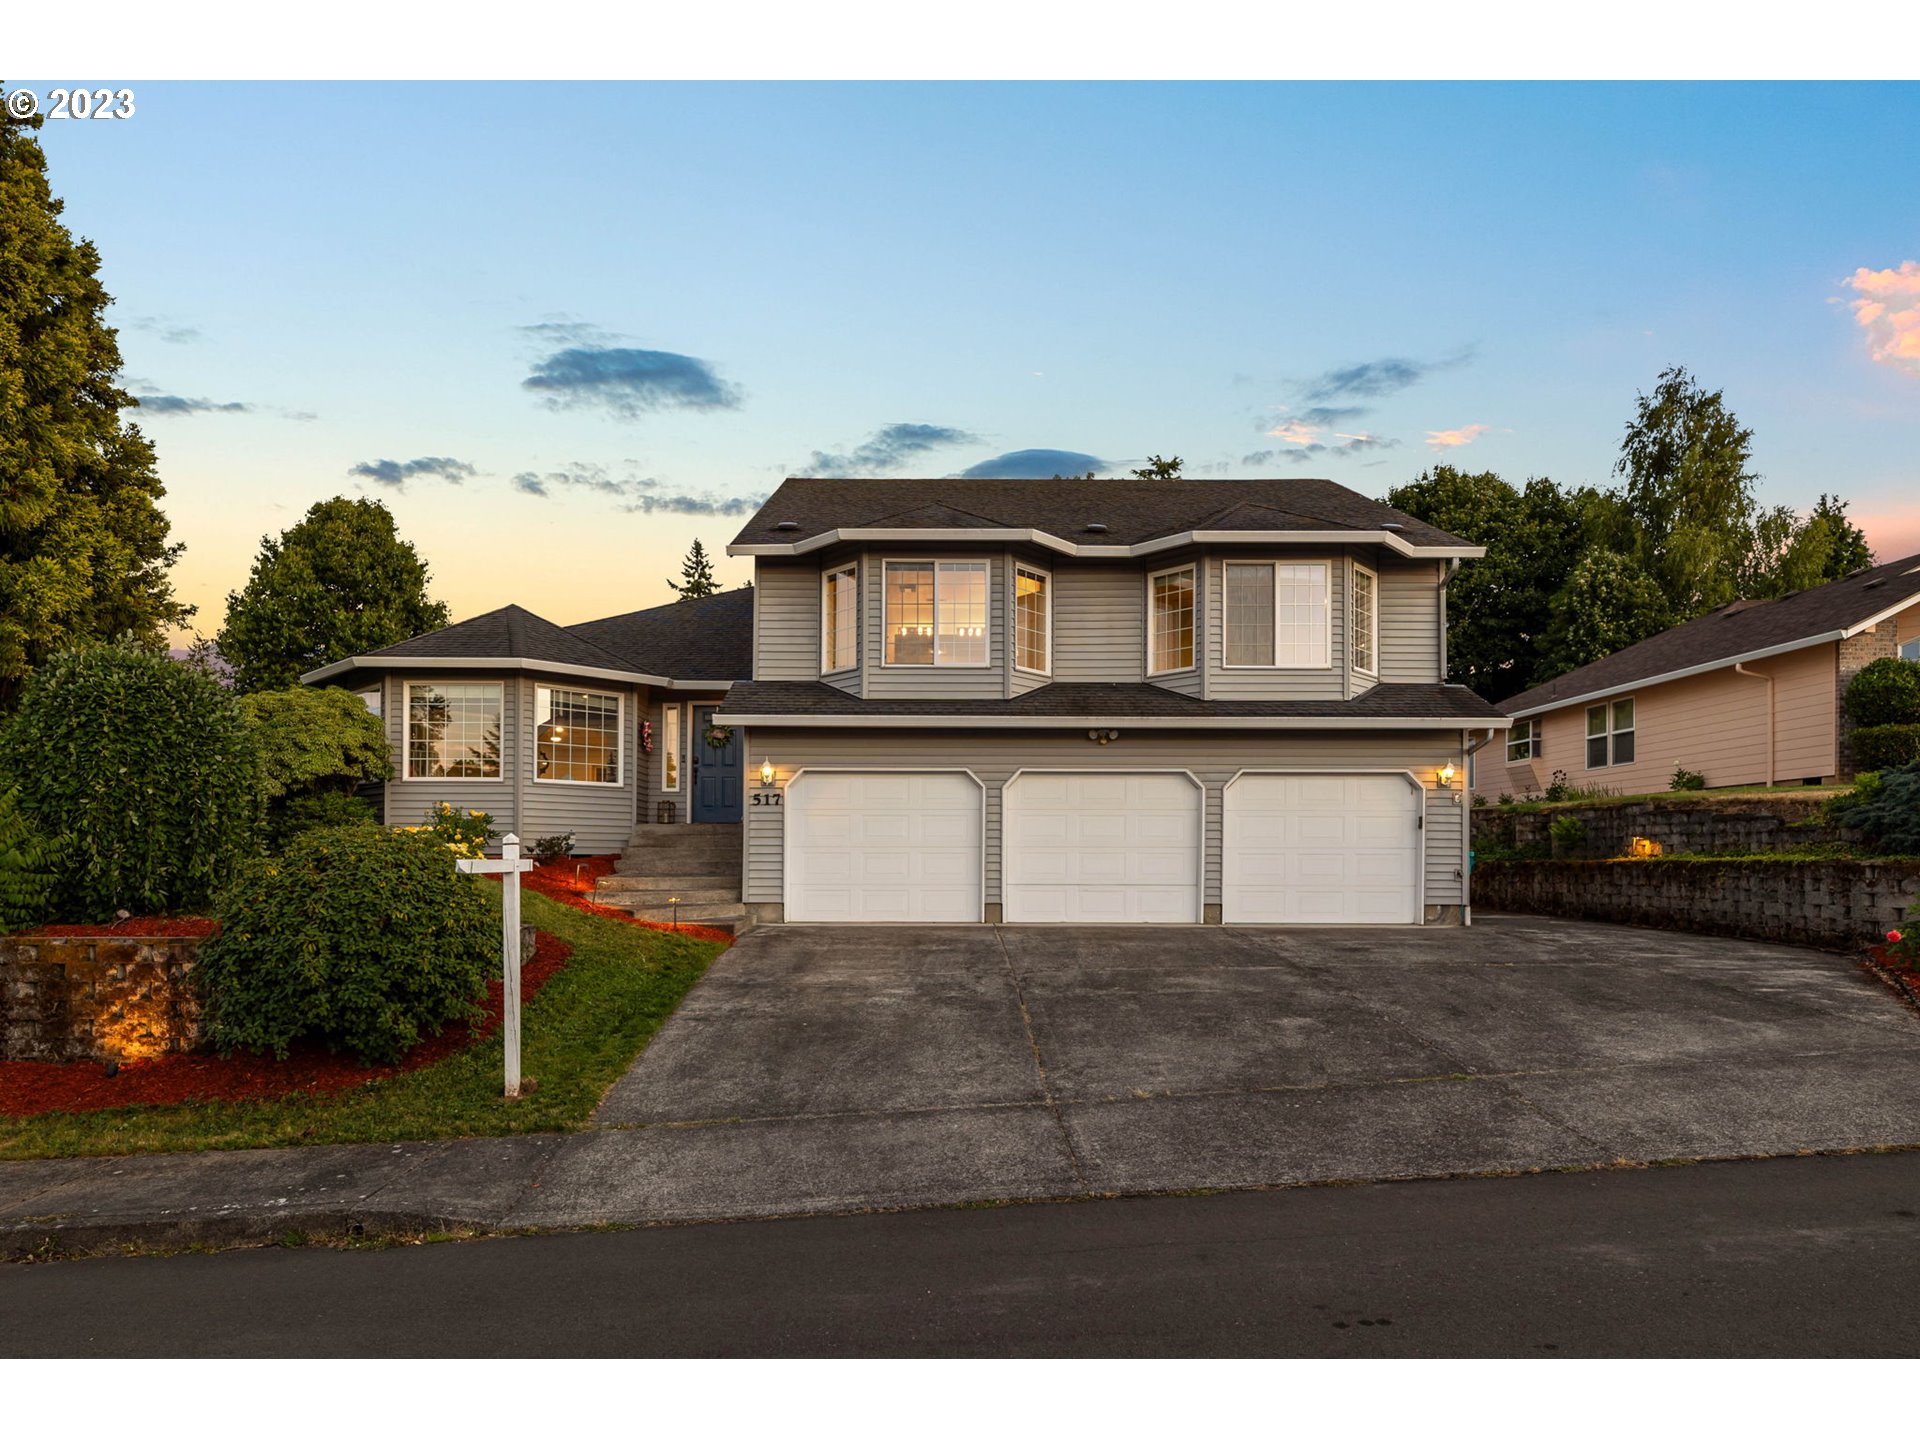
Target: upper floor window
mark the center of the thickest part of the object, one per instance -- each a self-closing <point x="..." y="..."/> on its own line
<point x="576" y="736"/>
<point x="839" y="626"/>
<point x="936" y="612"/>
<point x="1032" y="619"/>
<point x="1610" y="734"/>
<point x="1366" y="620"/>
<point x="453" y="731"/>
<point x="1170" y="620"/>
<point x="1523" y="741"/>
<point x="1277" y="615"/>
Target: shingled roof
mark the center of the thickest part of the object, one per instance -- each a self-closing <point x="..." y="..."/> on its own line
<point x="797" y="701"/>
<point x="509" y="633"/>
<point x="1742" y="630"/>
<point x="1133" y="511"/>
<point x="709" y="639"/>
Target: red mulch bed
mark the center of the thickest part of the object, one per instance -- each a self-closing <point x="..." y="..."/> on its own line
<point x="34" y="1087"/>
<point x="138" y="927"/>
<point x="570" y="881"/>
<point x="1898" y="971"/>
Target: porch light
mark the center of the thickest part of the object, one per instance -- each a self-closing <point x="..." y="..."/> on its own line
<point x="766" y="772"/>
<point x="1446" y="776"/>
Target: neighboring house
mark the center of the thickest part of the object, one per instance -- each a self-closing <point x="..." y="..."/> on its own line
<point x="1748" y="694"/>
<point x="1096" y="701"/>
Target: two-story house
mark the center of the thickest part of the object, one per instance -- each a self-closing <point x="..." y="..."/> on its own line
<point x="1091" y="701"/>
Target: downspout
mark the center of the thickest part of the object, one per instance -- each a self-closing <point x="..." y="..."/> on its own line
<point x="1466" y="884"/>
<point x="1741" y="669"/>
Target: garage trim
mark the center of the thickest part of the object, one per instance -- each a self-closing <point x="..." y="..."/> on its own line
<point x="1420" y="794"/>
<point x="1200" y="853"/>
<point x="786" y="866"/>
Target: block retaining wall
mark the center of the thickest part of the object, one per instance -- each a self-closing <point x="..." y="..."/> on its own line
<point x="1782" y="823"/>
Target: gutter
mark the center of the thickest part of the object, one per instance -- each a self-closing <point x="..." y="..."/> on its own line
<point x="1013" y="535"/>
<point x="1102" y="722"/>
<point x="379" y="663"/>
<point x="1756" y="675"/>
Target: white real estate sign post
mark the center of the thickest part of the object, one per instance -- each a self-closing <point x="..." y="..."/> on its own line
<point x="508" y="867"/>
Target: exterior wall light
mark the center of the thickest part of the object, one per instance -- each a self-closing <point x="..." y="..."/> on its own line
<point x="766" y="773"/>
<point x="1103" y="737"/>
<point x="1446" y="776"/>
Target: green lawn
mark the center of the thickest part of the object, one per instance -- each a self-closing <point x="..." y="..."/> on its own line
<point x="580" y="1032"/>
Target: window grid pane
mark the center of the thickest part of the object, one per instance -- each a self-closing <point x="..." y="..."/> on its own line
<point x="1520" y="744"/>
<point x="1030" y="619"/>
<point x="1173" y="621"/>
<point x="1302" y="595"/>
<point x="1249" y="615"/>
<point x="453" y="732"/>
<point x="961" y="623"/>
<point x="1597" y="720"/>
<point x="909" y="600"/>
<point x="1363" y="621"/>
<point x="837" y="633"/>
<point x="577" y="737"/>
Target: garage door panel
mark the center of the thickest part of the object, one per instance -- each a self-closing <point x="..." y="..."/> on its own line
<point x="890" y="847"/>
<point x="1320" y="850"/>
<point x="1101" y="848"/>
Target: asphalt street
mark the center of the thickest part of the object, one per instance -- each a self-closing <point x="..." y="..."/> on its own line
<point x="1809" y="1256"/>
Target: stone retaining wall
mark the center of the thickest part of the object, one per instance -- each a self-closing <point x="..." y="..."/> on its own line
<point x="97" y="997"/>
<point x="1837" y="904"/>
<point x="1781" y="822"/>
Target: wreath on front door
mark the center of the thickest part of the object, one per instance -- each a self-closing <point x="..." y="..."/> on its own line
<point x="719" y="736"/>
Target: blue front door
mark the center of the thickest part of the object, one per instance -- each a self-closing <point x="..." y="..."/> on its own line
<point x="717" y="771"/>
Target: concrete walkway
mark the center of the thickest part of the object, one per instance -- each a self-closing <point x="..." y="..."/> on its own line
<point x="820" y="1070"/>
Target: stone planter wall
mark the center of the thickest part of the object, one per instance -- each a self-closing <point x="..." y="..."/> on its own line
<point x="1836" y="904"/>
<point x="1782" y="822"/>
<point x="97" y="997"/>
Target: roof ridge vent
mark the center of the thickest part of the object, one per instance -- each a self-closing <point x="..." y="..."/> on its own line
<point x="1094" y="527"/>
<point x="1391" y="525"/>
<point x="788" y="525"/>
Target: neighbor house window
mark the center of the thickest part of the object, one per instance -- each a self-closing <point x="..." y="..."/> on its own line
<point x="1610" y="734"/>
<point x="1523" y="741"/>
<point x="1911" y="650"/>
<point x="669" y="747"/>
<point x="453" y="731"/>
<point x="576" y="736"/>
<point x="1278" y="615"/>
<point x="1170" y="621"/>
<point x="1032" y="619"/>
<point x="1366" y="620"/>
<point x="936" y="612"/>
<point x="839" y="590"/>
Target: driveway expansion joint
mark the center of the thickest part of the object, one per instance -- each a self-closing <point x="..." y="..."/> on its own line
<point x="1039" y="1060"/>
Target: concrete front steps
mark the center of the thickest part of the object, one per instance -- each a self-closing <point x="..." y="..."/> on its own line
<point x="697" y="864"/>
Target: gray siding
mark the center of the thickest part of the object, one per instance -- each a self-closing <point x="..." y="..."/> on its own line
<point x="1213" y="758"/>
<point x="937" y="682"/>
<point x="1410" y="622"/>
<point x="1275" y="684"/>
<point x="786" y="622"/>
<point x="1099" y="623"/>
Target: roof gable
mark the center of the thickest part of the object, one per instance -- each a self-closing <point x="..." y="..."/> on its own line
<point x="510" y="633"/>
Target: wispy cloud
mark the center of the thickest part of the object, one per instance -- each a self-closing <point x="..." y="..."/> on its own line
<point x="1374" y="379"/>
<point x="185" y="405"/>
<point x="636" y="494"/>
<point x="1453" y="439"/>
<point x="1889" y="311"/>
<point x="1034" y="465"/>
<point x="587" y="371"/>
<point x="888" y="448"/>
<point x="1347" y="445"/>
<point x="170" y="331"/>
<point x="396" y="473"/>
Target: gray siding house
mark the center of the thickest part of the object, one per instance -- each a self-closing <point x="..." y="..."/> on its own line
<point x="1009" y="701"/>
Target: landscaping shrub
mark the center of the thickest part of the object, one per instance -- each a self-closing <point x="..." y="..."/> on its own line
<point x="464" y="832"/>
<point x="549" y="848"/>
<point x="1885" y="692"/>
<point x="313" y="744"/>
<point x="1884" y="747"/>
<point x="1685" y="779"/>
<point x="1568" y="836"/>
<point x="298" y="814"/>
<point x="1884" y="809"/>
<point x="26" y="867"/>
<point x="145" y="769"/>
<point x="361" y="937"/>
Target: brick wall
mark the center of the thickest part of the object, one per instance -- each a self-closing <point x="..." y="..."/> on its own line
<point x="1772" y="822"/>
<point x="1838" y="904"/>
<point x="92" y="998"/>
<point x="1856" y="653"/>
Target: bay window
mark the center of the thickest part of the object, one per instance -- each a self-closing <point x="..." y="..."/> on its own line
<point x="839" y="623"/>
<point x="576" y="736"/>
<point x="453" y="731"/>
<point x="1278" y="616"/>
<point x="1366" y="620"/>
<point x="1170" y="596"/>
<point x="936" y="612"/>
<point x="1032" y="620"/>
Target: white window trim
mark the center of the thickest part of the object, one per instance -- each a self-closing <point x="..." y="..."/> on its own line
<point x="1326" y="614"/>
<point x="670" y="745"/>
<point x="1199" y="618"/>
<point x="1013" y="615"/>
<point x="1373" y="621"/>
<point x="1532" y="742"/>
<point x="826" y="618"/>
<point x="1633" y="730"/>
<point x="619" y="730"/>
<point x="406" y="736"/>
<point x="886" y="620"/>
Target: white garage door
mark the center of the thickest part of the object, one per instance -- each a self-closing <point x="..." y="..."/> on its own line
<point x="1320" y="850"/>
<point x="883" y="845"/>
<point x="1101" y="848"/>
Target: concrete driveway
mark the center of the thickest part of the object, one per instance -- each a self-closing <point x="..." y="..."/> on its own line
<point x="824" y="1068"/>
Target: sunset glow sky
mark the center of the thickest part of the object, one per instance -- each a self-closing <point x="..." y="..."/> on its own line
<point x="564" y="329"/>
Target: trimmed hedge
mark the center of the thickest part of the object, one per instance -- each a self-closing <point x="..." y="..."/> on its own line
<point x="360" y="937"/>
<point x="1885" y="747"/>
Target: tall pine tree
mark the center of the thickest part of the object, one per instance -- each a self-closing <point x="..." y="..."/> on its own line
<point x="83" y="544"/>
<point x="696" y="580"/>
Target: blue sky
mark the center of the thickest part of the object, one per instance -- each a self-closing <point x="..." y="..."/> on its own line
<point x="710" y="286"/>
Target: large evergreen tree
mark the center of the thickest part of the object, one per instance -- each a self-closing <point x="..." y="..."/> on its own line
<point x="696" y="580"/>
<point x="339" y="583"/>
<point x="83" y="544"/>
